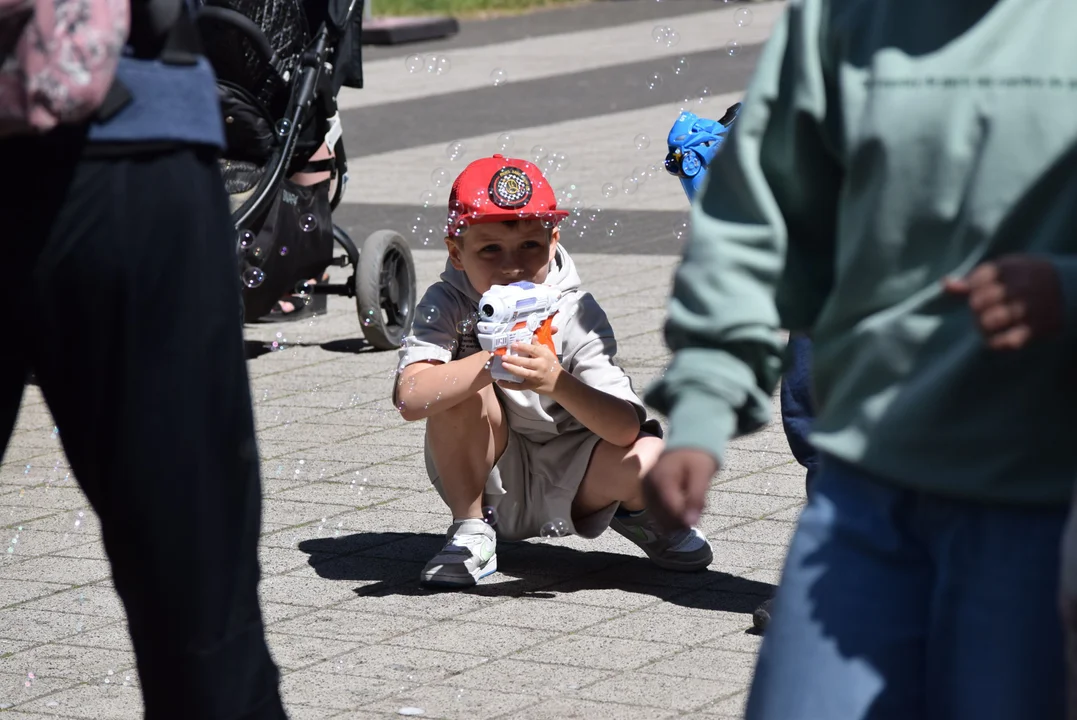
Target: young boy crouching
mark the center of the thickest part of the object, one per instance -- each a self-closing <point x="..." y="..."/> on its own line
<point x="565" y="450"/>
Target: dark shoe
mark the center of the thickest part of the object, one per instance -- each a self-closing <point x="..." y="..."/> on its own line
<point x="761" y="616"/>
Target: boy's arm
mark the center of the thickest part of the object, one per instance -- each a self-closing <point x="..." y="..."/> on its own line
<point x="768" y="202"/>
<point x="608" y="416"/>
<point x="429" y="380"/>
<point x="427" y="387"/>
<point x="596" y="391"/>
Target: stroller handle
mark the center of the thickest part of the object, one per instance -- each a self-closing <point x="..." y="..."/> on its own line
<point x="312" y="64"/>
<point x="245" y="25"/>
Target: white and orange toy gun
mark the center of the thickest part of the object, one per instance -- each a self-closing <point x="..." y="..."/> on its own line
<point x="518" y="313"/>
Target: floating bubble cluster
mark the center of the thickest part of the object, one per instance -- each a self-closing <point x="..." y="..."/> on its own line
<point x="432" y="64"/>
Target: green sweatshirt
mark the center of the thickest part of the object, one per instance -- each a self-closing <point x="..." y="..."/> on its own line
<point x="884" y="145"/>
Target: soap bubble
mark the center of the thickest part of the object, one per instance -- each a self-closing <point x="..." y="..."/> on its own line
<point x="489" y="515"/>
<point x="537" y="154"/>
<point x="659" y="33"/>
<point x="742" y="17"/>
<point x="415" y="224"/>
<point x="704" y="95"/>
<point x="414" y="63"/>
<point x="548" y="221"/>
<point x="560" y="161"/>
<point x="642" y="142"/>
<point x="554" y="529"/>
<point x="609" y="190"/>
<point x="440" y="177"/>
<point x="630" y="185"/>
<point x="568" y="194"/>
<point x="253" y="277"/>
<point x="442" y="65"/>
<point x="454" y="150"/>
<point x="459" y="227"/>
<point x="428" y="198"/>
<point x="732" y="48"/>
<point x="498" y="77"/>
<point x="640" y="174"/>
<point x="654" y="81"/>
<point x="614" y="229"/>
<point x="466" y="325"/>
<point x="246" y="239"/>
<point x="368" y="318"/>
<point x="283" y="250"/>
<point x="308" y="223"/>
<point x="504" y="142"/>
<point x="680" y="230"/>
<point x="429" y="313"/>
<point x="680" y="66"/>
<point x="284" y="126"/>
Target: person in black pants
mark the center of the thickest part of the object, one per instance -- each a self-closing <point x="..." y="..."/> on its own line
<point x="148" y="385"/>
<point x="798" y="413"/>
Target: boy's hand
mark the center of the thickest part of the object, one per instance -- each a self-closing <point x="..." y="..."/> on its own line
<point x="1016" y="299"/>
<point x="536" y="365"/>
<point x="676" y="488"/>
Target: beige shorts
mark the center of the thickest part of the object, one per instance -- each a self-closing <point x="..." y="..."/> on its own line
<point x="534" y="483"/>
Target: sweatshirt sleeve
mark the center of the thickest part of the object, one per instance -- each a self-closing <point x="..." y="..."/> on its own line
<point x="768" y="203"/>
<point x="1066" y="267"/>
<point x="434" y="336"/>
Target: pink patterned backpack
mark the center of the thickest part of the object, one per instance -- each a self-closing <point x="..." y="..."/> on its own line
<point x="57" y="60"/>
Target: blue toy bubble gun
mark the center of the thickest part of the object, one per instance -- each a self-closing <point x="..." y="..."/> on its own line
<point x="693" y="142"/>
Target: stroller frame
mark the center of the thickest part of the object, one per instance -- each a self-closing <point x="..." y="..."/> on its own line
<point x="383" y="270"/>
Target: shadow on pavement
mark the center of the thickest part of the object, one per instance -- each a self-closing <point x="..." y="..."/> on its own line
<point x="389" y="563"/>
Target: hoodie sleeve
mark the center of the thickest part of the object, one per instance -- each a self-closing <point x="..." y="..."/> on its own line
<point x="771" y="190"/>
<point x="433" y="334"/>
<point x="1066" y="267"/>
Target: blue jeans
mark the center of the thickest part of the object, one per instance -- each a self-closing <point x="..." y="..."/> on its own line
<point x="895" y="604"/>
<point x="797" y="409"/>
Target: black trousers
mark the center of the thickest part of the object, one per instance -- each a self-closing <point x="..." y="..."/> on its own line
<point x="121" y="276"/>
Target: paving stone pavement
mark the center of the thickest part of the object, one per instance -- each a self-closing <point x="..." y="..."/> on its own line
<point x="568" y="628"/>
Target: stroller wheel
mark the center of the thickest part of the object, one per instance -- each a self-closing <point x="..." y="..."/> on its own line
<point x="385" y="289"/>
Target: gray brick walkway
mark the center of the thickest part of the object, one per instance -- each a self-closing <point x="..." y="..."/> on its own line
<point x="566" y="629"/>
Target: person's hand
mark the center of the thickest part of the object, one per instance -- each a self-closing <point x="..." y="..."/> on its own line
<point x="1016" y="299"/>
<point x="676" y="488"/>
<point x="536" y="365"/>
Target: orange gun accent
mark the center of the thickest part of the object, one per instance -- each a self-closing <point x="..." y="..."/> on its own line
<point x="544" y="334"/>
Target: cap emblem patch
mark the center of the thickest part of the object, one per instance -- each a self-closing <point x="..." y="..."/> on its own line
<point x="510" y="188"/>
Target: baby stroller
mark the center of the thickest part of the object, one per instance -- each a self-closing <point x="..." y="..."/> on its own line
<point x="279" y="66"/>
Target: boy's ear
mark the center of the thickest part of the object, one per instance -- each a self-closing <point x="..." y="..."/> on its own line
<point x="555" y="238"/>
<point x="454" y="253"/>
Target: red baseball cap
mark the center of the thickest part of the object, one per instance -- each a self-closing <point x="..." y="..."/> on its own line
<point x="497" y="189"/>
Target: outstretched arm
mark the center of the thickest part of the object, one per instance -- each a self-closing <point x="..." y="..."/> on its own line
<point x="769" y="201"/>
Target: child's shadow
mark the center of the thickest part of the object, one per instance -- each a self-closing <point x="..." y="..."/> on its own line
<point x="388" y="563"/>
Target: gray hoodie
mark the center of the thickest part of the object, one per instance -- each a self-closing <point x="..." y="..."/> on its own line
<point x="444" y="330"/>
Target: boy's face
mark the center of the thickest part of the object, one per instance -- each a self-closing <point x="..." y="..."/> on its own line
<point x="499" y="253"/>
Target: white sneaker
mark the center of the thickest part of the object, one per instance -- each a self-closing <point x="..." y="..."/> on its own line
<point x="683" y="550"/>
<point x="469" y="555"/>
